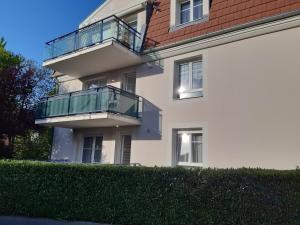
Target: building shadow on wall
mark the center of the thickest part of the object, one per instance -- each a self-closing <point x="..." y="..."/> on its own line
<point x="153" y="68"/>
<point x="62" y="135"/>
<point x="150" y="128"/>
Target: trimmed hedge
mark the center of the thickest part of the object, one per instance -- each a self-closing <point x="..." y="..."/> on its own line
<point x="150" y="196"/>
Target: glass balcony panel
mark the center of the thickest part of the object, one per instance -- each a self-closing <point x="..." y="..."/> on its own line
<point x="57" y="106"/>
<point x="111" y="28"/>
<point x="123" y="103"/>
<point x="128" y="104"/>
<point x="83" y="102"/>
<point x="89" y="36"/>
<point x="63" y="46"/>
<point x="104" y="99"/>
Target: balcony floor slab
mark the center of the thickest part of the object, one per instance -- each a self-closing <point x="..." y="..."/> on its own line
<point x="89" y="120"/>
<point x="102" y="57"/>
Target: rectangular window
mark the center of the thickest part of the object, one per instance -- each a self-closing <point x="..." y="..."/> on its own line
<point x="189" y="80"/>
<point x="94" y="84"/>
<point x="125" y="149"/>
<point x="185" y="9"/>
<point x="189" y="147"/>
<point x="129" y="83"/>
<point x="92" y="149"/>
<point x="198" y="9"/>
<point x="191" y="10"/>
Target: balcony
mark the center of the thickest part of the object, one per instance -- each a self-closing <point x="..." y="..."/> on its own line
<point x="106" y="45"/>
<point x="102" y="107"/>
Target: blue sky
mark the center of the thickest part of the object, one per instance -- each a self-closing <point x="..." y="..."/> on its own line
<point x="28" y="24"/>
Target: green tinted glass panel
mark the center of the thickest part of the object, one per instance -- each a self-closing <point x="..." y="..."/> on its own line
<point x="57" y="106"/>
<point x="83" y="103"/>
<point x="106" y="99"/>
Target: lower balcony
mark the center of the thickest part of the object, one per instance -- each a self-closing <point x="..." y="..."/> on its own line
<point x="102" y="107"/>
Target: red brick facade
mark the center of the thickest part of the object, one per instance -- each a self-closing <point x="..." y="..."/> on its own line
<point x="223" y="14"/>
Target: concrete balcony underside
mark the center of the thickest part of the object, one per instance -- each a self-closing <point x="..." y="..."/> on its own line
<point x="89" y="120"/>
<point x="98" y="58"/>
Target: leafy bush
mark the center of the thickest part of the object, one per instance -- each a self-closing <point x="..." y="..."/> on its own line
<point x="150" y="196"/>
<point x="34" y="145"/>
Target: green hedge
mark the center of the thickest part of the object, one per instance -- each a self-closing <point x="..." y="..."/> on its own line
<point x="150" y="196"/>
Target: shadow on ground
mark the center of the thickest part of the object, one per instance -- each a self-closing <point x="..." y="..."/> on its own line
<point x="6" y="220"/>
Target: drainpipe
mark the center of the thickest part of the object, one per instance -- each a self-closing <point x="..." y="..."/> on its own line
<point x="151" y="5"/>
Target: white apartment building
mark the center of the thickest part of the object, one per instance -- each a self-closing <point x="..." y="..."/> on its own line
<point x="171" y="82"/>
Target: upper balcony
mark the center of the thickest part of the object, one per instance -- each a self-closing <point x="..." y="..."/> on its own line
<point x="105" y="45"/>
<point x="101" y="107"/>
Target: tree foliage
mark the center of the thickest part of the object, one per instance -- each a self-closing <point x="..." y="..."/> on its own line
<point x="22" y="84"/>
<point x="35" y="145"/>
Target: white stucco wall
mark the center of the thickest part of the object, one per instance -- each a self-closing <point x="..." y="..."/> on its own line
<point x="249" y="111"/>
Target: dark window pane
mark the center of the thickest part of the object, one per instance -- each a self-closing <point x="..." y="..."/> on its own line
<point x="87" y="156"/>
<point x="97" y="156"/>
<point x="88" y="142"/>
<point x="183" y="77"/>
<point x="197" y="148"/>
<point x="197" y="75"/>
<point x="126" y="149"/>
<point x="185" y="12"/>
<point x="98" y="144"/>
<point x="98" y="149"/>
<point x="198" y="9"/>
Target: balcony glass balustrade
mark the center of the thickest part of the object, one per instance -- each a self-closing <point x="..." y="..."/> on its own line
<point x="103" y="99"/>
<point x="111" y="28"/>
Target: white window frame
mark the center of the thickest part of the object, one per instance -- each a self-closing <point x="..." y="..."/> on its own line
<point x="93" y="148"/>
<point x="175" y="13"/>
<point x="190" y="88"/>
<point x="189" y="163"/>
<point x="191" y="11"/>
<point x="180" y="11"/>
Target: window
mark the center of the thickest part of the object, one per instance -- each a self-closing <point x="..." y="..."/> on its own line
<point x="190" y="11"/>
<point x="189" y="147"/>
<point x="95" y="83"/>
<point x="189" y="80"/>
<point x="127" y="36"/>
<point x="125" y="149"/>
<point x="129" y="83"/>
<point x="133" y="24"/>
<point x="198" y="9"/>
<point x="92" y="149"/>
<point x="185" y="9"/>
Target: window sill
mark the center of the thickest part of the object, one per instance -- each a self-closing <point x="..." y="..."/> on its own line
<point x="198" y="100"/>
<point x="180" y="26"/>
<point x="189" y="95"/>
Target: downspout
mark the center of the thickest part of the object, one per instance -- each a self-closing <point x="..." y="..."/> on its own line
<point x="149" y="12"/>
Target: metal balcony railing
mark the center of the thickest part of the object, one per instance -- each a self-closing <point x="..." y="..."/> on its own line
<point x="102" y="99"/>
<point x="111" y="28"/>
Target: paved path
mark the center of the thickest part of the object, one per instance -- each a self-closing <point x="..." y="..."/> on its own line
<point x="6" y="220"/>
